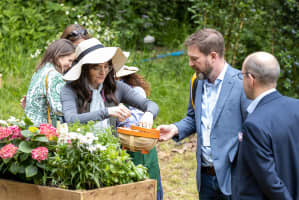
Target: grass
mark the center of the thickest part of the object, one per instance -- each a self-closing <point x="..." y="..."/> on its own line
<point x="178" y="171"/>
<point x="169" y="79"/>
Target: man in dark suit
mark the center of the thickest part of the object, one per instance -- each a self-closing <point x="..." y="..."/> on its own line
<point x="217" y="117"/>
<point x="268" y="158"/>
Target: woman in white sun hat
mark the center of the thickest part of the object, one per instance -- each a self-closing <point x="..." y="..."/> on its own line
<point x="130" y="76"/>
<point x="92" y="93"/>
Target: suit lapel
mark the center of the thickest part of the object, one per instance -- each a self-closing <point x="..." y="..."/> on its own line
<point x="199" y="99"/>
<point x="227" y="86"/>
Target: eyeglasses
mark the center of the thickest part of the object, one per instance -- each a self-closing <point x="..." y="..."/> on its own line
<point x="103" y="67"/>
<point x="75" y="34"/>
<point x="241" y="75"/>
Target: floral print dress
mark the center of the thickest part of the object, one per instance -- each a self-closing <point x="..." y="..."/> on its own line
<point x="37" y="98"/>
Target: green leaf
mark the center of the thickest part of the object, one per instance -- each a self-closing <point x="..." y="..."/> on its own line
<point x="41" y="139"/>
<point x="27" y="121"/>
<point x="30" y="171"/>
<point x="43" y="166"/>
<point x="6" y="160"/>
<point x="25" y="147"/>
<point x="27" y="133"/>
<point x="24" y="156"/>
<point x="21" y="169"/>
<point x="14" y="168"/>
<point x="96" y="180"/>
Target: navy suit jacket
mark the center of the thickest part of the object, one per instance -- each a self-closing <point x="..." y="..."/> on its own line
<point x="229" y="115"/>
<point x="268" y="158"/>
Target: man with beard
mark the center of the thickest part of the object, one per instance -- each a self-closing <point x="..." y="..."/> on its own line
<point x="220" y="110"/>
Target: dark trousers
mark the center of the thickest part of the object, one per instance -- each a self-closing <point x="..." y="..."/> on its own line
<point x="209" y="189"/>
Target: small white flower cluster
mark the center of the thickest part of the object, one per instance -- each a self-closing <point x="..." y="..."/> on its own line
<point x="37" y="53"/>
<point x="3" y="123"/>
<point x="95" y="27"/>
<point x="15" y="121"/>
<point x="89" y="139"/>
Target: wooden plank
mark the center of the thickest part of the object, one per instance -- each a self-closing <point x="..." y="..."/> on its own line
<point x="143" y="190"/>
<point x="11" y="190"/>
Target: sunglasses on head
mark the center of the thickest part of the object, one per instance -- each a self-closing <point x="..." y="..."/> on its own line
<point x="75" y="34"/>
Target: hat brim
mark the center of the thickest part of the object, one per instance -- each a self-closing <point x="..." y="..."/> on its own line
<point x="98" y="56"/>
<point x="125" y="71"/>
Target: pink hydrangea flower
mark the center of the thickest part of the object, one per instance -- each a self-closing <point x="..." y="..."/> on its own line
<point x="4" y="132"/>
<point x="40" y="153"/>
<point x="49" y="131"/>
<point x="8" y="151"/>
<point x="16" y="132"/>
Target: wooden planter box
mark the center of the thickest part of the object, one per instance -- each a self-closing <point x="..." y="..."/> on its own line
<point x="143" y="190"/>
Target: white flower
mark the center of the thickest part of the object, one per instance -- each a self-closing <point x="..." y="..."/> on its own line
<point x="73" y="135"/>
<point x="62" y="4"/>
<point x="149" y="39"/>
<point x="101" y="147"/>
<point x="93" y="148"/>
<point x="73" y="9"/>
<point x="12" y="120"/>
<point x="91" y="31"/>
<point x="67" y="12"/>
<point x="3" y="123"/>
<point x="78" y="16"/>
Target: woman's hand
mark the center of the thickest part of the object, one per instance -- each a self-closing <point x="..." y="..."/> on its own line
<point x="146" y="120"/>
<point x="121" y="112"/>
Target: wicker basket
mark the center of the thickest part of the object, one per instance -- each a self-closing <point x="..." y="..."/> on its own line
<point x="138" y="139"/>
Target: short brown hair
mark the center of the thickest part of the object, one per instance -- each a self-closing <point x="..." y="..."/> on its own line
<point x="207" y="40"/>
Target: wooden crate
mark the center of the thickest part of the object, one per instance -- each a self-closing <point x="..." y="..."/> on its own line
<point x="143" y="190"/>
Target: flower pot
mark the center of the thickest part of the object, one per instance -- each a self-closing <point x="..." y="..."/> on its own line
<point x="143" y="190"/>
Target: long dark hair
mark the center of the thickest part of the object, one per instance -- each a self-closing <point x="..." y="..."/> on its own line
<point x="84" y="94"/>
<point x="57" y="49"/>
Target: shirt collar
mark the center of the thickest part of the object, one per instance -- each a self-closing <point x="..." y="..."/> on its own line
<point x="255" y="102"/>
<point x="220" y="76"/>
<point x="96" y="90"/>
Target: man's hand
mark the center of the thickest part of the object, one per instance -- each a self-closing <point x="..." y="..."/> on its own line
<point x="167" y="131"/>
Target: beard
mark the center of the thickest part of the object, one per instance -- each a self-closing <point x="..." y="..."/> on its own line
<point x="205" y="74"/>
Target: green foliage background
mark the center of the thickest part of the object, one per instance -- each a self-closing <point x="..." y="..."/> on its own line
<point x="27" y="27"/>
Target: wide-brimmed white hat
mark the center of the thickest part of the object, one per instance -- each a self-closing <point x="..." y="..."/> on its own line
<point x="126" y="70"/>
<point x="91" y="51"/>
